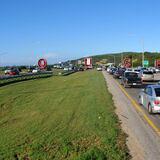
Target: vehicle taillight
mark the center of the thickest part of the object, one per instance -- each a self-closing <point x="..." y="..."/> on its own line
<point x="156" y="102"/>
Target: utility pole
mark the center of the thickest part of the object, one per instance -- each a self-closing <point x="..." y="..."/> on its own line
<point x="114" y="60"/>
<point x="121" y="59"/>
<point x="142" y="53"/>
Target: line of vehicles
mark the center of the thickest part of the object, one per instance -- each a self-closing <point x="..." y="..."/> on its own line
<point x="16" y="71"/>
<point x="131" y="77"/>
<point x="11" y="71"/>
<point x="149" y="96"/>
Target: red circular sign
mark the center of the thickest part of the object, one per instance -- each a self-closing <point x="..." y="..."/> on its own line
<point x="42" y="63"/>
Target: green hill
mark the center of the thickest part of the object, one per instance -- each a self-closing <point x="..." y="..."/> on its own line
<point x="117" y="57"/>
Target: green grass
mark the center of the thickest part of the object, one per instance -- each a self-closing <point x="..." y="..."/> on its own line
<point x="57" y="72"/>
<point x="60" y="118"/>
<point x="1" y="73"/>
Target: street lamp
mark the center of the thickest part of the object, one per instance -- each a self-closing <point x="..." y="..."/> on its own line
<point x="142" y="53"/>
<point x="142" y="41"/>
<point x="114" y="60"/>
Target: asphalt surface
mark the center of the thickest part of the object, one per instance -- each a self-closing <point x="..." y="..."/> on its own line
<point x="143" y="141"/>
<point x="134" y="93"/>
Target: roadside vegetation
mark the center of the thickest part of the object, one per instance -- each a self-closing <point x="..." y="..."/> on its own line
<point x="70" y="117"/>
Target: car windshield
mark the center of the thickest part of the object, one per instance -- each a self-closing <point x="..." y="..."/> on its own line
<point x="131" y="74"/>
<point x="157" y="91"/>
<point x="147" y="72"/>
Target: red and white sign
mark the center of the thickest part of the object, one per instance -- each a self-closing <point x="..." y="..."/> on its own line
<point x="88" y="62"/>
<point x="157" y="63"/>
<point x="127" y="62"/>
<point x="42" y="63"/>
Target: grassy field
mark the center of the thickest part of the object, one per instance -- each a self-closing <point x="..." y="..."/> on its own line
<point x="60" y="118"/>
<point x="1" y="73"/>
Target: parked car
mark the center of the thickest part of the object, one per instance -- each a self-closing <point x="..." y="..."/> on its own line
<point x="146" y="75"/>
<point x="12" y="71"/>
<point x="149" y="97"/>
<point x="131" y="78"/>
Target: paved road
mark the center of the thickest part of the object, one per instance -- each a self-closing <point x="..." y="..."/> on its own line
<point x="134" y="92"/>
<point x="143" y="142"/>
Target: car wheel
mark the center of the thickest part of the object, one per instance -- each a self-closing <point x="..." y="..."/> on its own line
<point x="140" y="100"/>
<point x="150" y="109"/>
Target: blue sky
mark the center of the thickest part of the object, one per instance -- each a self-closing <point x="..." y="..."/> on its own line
<point x="60" y="30"/>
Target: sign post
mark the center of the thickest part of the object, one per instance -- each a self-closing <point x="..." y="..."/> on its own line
<point x="157" y="63"/>
<point x="42" y="63"/>
<point x="145" y="63"/>
<point x="127" y="62"/>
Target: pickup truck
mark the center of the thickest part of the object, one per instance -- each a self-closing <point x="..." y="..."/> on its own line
<point x="131" y="78"/>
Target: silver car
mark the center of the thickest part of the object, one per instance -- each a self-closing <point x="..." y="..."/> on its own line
<point x="146" y="75"/>
<point x="149" y="97"/>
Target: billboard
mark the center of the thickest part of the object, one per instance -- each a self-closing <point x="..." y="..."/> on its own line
<point x="127" y="62"/>
<point x="88" y="62"/>
<point x="157" y="63"/>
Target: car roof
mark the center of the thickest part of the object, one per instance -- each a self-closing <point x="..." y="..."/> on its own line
<point x="131" y="72"/>
<point x="154" y="85"/>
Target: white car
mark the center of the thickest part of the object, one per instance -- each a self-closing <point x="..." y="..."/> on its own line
<point x="7" y="71"/>
<point x="149" y="97"/>
<point x="99" y="68"/>
<point x="146" y="75"/>
<point x="66" y="69"/>
<point x="157" y="70"/>
<point x="35" y="70"/>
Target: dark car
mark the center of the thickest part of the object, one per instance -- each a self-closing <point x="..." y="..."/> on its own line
<point x="80" y="68"/>
<point x="112" y="70"/>
<point x="131" y="78"/>
<point x="118" y="73"/>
